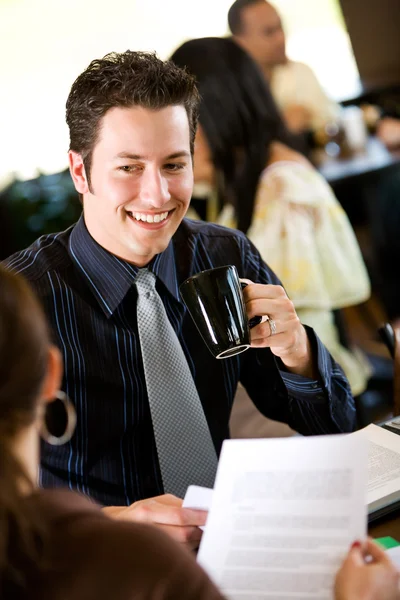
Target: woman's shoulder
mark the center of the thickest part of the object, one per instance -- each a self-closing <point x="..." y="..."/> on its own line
<point x="289" y="174"/>
<point x="289" y="178"/>
<point x="133" y="559"/>
<point x="281" y="153"/>
<point x="59" y="504"/>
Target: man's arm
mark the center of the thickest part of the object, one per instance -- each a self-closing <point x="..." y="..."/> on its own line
<point x="282" y="332"/>
<point x="290" y="375"/>
<point x="310" y="108"/>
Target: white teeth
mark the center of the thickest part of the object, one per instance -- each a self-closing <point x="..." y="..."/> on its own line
<point x="149" y="218"/>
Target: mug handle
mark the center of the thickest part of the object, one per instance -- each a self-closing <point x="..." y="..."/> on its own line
<point x="257" y="319"/>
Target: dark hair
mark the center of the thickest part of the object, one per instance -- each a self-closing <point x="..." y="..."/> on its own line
<point x="125" y="80"/>
<point x="24" y="343"/>
<point x="238" y="115"/>
<point x="235" y="14"/>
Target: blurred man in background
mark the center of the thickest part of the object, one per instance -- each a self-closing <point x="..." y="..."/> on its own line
<point x="257" y="27"/>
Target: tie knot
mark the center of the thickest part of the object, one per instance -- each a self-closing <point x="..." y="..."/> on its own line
<point x="145" y="282"/>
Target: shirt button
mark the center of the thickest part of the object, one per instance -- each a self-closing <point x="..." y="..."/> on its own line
<point x="314" y="386"/>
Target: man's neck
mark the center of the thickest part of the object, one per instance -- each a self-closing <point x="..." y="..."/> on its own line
<point x="267" y="72"/>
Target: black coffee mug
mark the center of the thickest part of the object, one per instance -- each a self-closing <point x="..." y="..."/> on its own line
<point x="215" y="302"/>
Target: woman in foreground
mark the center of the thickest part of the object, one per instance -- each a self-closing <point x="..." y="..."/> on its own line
<point x="57" y="544"/>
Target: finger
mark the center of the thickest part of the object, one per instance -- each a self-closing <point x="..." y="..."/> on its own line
<point x="175" y="501"/>
<point x="276" y="341"/>
<point x="372" y="549"/>
<point x="285" y="333"/>
<point x="260" y="290"/>
<point x="247" y="281"/>
<point x="190" y="536"/>
<point x="280" y="308"/>
<point x="355" y="555"/>
<point x="153" y="511"/>
<point x="169" y="499"/>
<point x="263" y="331"/>
<point x="280" y="348"/>
<point x="192" y="516"/>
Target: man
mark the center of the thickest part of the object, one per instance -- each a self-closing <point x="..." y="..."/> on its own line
<point x="132" y="120"/>
<point x="257" y="27"/>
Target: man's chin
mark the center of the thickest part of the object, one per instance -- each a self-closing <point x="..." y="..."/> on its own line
<point x="141" y="256"/>
<point x="280" y="61"/>
<point x="284" y="59"/>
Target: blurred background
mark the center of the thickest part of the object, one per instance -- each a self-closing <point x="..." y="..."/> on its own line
<point x="45" y="44"/>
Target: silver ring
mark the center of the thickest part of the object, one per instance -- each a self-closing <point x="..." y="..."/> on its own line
<point x="272" y="326"/>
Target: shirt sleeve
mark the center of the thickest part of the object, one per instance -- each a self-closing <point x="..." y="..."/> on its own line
<point x="296" y="83"/>
<point x="308" y="406"/>
<point x="322" y="107"/>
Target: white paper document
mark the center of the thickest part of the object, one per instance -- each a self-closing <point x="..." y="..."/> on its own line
<point x="199" y="498"/>
<point x="283" y="515"/>
<point x="394" y="554"/>
<point x="383" y="466"/>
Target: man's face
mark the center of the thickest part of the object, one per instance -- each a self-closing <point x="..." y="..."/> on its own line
<point x="262" y="35"/>
<point x="141" y="181"/>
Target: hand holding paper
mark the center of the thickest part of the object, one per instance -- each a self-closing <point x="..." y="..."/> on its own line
<point x="288" y="339"/>
<point x="283" y="515"/>
<point x="167" y="513"/>
<point x="374" y="579"/>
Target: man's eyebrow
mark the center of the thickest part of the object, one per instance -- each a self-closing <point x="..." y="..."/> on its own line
<point x="129" y="155"/>
<point x="179" y="154"/>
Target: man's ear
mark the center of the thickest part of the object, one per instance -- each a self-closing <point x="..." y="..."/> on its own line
<point x="78" y="173"/>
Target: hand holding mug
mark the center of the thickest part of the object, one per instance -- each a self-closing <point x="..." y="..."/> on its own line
<point x="282" y="331"/>
<point x="233" y="314"/>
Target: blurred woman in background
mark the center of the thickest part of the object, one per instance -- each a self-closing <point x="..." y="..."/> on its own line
<point x="273" y="194"/>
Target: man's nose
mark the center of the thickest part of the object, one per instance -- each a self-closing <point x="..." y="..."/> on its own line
<point x="154" y="190"/>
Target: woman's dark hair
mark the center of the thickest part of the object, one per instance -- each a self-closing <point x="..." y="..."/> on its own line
<point x="125" y="80"/>
<point x="238" y="115"/>
<point x="24" y="344"/>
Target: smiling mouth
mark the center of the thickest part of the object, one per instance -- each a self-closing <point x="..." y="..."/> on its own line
<point x="149" y="218"/>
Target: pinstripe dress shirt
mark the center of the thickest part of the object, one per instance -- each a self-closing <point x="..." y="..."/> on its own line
<point x="90" y="300"/>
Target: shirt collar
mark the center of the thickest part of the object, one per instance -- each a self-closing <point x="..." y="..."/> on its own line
<point x="110" y="277"/>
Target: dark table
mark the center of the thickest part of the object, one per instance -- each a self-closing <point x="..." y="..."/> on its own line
<point x="389" y="525"/>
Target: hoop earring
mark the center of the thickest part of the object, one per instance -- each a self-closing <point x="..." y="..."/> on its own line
<point x="59" y="420"/>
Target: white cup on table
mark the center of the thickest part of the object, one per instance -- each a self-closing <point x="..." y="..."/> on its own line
<point x="352" y="120"/>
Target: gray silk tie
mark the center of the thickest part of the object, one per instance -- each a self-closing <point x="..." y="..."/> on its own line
<point x="185" y="449"/>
